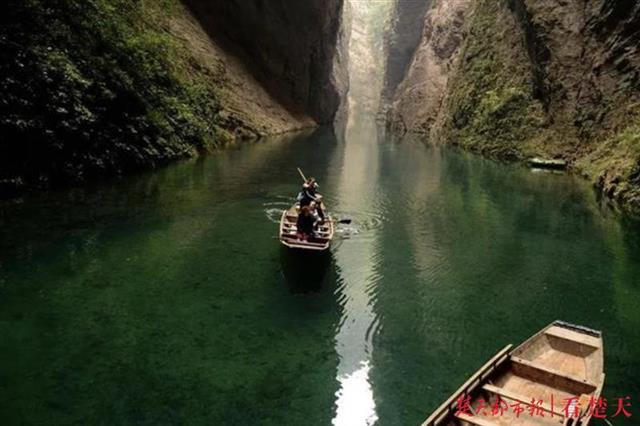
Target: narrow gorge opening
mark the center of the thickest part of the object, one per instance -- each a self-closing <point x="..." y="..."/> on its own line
<point x="369" y="22"/>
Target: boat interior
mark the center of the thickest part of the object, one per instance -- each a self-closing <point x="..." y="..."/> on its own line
<point x="541" y="376"/>
<point x="288" y="232"/>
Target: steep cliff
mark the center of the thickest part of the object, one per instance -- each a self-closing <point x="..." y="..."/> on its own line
<point x="369" y="22"/>
<point x="289" y="45"/>
<point x="416" y="102"/>
<point x="106" y="87"/>
<point x="538" y="77"/>
<point x="405" y="31"/>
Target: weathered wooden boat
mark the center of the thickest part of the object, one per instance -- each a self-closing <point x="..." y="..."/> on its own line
<point x="554" y="374"/>
<point x="547" y="163"/>
<point x="289" y="232"/>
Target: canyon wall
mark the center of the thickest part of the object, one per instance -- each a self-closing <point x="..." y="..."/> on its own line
<point x="416" y="102"/>
<point x="108" y="87"/>
<point x="289" y="45"/>
<point x="533" y="78"/>
<point x="370" y="22"/>
<point x="407" y="22"/>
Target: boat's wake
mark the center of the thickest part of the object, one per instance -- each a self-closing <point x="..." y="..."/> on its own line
<point x="360" y="223"/>
<point x="273" y="209"/>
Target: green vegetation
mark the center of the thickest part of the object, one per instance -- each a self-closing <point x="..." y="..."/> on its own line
<point x="96" y="88"/>
<point x="492" y="107"/>
<point x="615" y="166"/>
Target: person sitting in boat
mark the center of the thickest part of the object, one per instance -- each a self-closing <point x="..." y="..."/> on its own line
<point x="316" y="207"/>
<point x="306" y="223"/>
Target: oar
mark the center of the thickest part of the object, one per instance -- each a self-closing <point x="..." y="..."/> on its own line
<point x="343" y="221"/>
<point x="302" y="174"/>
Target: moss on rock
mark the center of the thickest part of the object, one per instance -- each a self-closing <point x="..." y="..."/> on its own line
<point x="491" y="105"/>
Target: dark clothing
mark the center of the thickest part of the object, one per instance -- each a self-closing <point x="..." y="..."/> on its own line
<point x="305" y="200"/>
<point x="305" y="224"/>
<point x="307" y="196"/>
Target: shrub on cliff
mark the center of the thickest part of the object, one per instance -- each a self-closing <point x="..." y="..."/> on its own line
<point x="93" y="88"/>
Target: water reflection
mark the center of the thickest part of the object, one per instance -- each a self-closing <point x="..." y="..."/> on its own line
<point x="170" y="293"/>
<point x="304" y="271"/>
<point x="357" y="192"/>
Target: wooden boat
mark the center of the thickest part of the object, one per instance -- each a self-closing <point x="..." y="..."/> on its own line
<point x="543" y="163"/>
<point x="561" y="362"/>
<point x="289" y="232"/>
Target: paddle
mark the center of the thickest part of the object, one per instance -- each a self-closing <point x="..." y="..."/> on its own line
<point x="302" y="174"/>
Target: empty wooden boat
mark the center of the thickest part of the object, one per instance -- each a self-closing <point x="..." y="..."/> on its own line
<point x="289" y="232"/>
<point x="553" y="377"/>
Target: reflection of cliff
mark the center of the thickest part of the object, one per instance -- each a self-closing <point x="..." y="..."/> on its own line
<point x="356" y="186"/>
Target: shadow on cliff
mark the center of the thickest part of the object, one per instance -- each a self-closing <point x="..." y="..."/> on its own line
<point x="288" y="46"/>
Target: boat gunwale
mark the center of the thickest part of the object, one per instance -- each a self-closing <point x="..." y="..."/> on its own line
<point x="444" y="410"/>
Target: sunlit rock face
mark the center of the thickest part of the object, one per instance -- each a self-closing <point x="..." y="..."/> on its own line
<point x="417" y="101"/>
<point x="369" y="22"/>
<point x="290" y="46"/>
<point x="407" y="22"/>
<point x="340" y="75"/>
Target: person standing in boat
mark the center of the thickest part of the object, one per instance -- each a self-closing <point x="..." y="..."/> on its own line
<point x="306" y="223"/>
<point x="309" y="197"/>
<point x="309" y="192"/>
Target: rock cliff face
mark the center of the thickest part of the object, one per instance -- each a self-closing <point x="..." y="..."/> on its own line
<point x="289" y="45"/>
<point x="107" y="87"/>
<point x="403" y="36"/>
<point x="535" y="77"/>
<point x="416" y="102"/>
<point x="369" y="22"/>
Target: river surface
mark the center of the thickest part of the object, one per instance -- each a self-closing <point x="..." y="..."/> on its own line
<point x="166" y="299"/>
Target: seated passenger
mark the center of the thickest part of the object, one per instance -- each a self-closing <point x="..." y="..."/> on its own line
<point x="316" y="207"/>
<point x="305" y="223"/>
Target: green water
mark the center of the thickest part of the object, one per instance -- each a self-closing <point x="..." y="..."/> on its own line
<point x="164" y="299"/>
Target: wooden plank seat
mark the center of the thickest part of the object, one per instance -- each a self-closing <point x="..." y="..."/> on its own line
<point x="565" y="334"/>
<point x="475" y="420"/>
<point x="293" y="229"/>
<point x="514" y="396"/>
<point x="525" y="368"/>
<point x="293" y="234"/>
